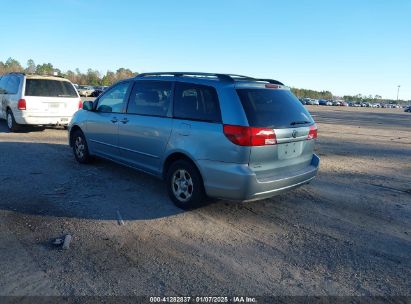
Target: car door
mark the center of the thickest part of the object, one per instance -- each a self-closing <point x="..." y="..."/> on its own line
<point x="103" y="122"/>
<point x="145" y="128"/>
<point x="3" y="81"/>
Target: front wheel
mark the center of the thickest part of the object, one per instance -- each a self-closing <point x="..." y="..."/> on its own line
<point x="185" y="185"/>
<point x="80" y="148"/>
<point x="11" y="122"/>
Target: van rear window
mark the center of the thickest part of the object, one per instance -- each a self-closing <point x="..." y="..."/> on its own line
<point x="270" y="108"/>
<point x="49" y="88"/>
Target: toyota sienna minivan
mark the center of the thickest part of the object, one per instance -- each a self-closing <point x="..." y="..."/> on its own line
<point x="37" y="100"/>
<point x="207" y="135"/>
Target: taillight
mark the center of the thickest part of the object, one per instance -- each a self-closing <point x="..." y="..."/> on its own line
<point x="250" y="136"/>
<point x="313" y="132"/>
<point x="21" y="104"/>
<point x="80" y="104"/>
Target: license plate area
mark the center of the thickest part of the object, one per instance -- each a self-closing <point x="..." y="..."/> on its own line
<point x="53" y="107"/>
<point x="289" y="150"/>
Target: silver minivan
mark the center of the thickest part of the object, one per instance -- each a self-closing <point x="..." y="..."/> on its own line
<point x="37" y="100"/>
<point x="207" y="135"/>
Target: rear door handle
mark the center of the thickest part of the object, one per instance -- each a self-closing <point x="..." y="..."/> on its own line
<point x="124" y="120"/>
<point x="114" y="120"/>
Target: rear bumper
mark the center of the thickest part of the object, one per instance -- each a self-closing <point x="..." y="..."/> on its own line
<point x="238" y="182"/>
<point x="28" y="119"/>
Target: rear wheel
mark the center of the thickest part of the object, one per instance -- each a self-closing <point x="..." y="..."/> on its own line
<point x="11" y="122"/>
<point x="185" y="185"/>
<point x="80" y="148"/>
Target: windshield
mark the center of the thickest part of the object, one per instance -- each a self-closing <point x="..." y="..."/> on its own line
<point x="273" y="108"/>
<point x="49" y="88"/>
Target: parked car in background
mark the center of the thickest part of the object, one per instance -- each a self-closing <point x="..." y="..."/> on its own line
<point x="85" y="91"/>
<point x="408" y="109"/>
<point x="218" y="135"/>
<point x="96" y="93"/>
<point x="336" y="103"/>
<point x="307" y="101"/>
<point x="37" y="100"/>
<point x="322" y="102"/>
<point x="344" y="104"/>
<point x="101" y="88"/>
<point x="315" y="102"/>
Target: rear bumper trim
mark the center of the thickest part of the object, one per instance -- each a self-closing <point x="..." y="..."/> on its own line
<point x="238" y="182"/>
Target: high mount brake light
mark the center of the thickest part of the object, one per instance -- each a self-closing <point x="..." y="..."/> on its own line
<point x="250" y="136"/>
<point x="272" y="86"/>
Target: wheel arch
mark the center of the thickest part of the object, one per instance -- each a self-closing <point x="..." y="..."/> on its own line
<point x="177" y="155"/>
<point x="72" y="130"/>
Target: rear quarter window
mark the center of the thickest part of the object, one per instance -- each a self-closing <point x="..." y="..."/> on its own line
<point x="273" y="108"/>
<point x="49" y="88"/>
<point x="3" y="84"/>
<point x="12" y="85"/>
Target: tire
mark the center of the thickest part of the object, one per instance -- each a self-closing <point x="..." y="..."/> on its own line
<point x="80" y="148"/>
<point x="11" y="122"/>
<point x="185" y="185"/>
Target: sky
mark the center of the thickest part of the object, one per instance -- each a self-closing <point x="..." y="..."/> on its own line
<point x="347" y="47"/>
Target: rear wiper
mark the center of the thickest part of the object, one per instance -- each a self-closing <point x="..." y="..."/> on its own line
<point x="302" y="122"/>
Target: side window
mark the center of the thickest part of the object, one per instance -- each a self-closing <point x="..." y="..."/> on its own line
<point x="3" y="81"/>
<point x="112" y="101"/>
<point x="12" y="85"/>
<point x="150" y="98"/>
<point x="196" y="102"/>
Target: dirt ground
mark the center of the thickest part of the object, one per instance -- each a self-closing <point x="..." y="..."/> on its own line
<point x="346" y="233"/>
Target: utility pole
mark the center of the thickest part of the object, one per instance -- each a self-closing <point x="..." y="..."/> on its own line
<point x="398" y="91"/>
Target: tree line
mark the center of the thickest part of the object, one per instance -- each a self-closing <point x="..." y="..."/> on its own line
<point x="95" y="78"/>
<point x="91" y="77"/>
<point x="304" y="93"/>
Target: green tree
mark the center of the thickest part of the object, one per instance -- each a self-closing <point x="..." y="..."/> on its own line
<point x="123" y="73"/>
<point x="93" y="77"/>
<point x="108" y="79"/>
<point x="45" y="69"/>
<point x="13" y="65"/>
<point x="31" y="67"/>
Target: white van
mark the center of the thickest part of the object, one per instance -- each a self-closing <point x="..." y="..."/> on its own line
<point x="37" y="100"/>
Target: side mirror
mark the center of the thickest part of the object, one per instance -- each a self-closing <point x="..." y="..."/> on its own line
<point x="88" y="105"/>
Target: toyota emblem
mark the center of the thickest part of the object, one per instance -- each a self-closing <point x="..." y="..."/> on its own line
<point x="294" y="134"/>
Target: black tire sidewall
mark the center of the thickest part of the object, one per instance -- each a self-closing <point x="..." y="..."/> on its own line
<point x="86" y="155"/>
<point x="198" y="195"/>
<point x="14" y="126"/>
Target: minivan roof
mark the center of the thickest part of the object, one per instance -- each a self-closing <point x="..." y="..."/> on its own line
<point x="37" y="76"/>
<point x="32" y="76"/>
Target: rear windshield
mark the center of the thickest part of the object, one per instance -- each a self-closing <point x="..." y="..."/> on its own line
<point x="49" y="88"/>
<point x="273" y="108"/>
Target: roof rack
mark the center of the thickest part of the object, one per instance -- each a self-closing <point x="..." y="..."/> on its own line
<point x="222" y="77"/>
<point x="247" y="78"/>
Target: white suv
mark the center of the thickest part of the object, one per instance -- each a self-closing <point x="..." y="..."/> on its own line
<point x="37" y="100"/>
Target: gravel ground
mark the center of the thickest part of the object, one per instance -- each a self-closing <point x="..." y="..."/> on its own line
<point x="346" y="233"/>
